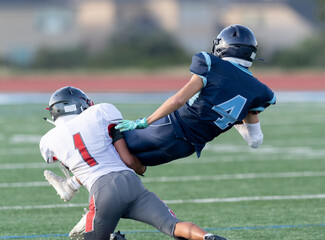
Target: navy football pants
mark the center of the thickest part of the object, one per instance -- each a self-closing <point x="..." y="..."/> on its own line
<point x="157" y="144"/>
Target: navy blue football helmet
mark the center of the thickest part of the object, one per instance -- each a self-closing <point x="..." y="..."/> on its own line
<point x="235" y="41"/>
<point x="68" y="101"/>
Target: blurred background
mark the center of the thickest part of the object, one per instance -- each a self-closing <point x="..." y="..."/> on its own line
<point x="58" y="42"/>
<point x="136" y="53"/>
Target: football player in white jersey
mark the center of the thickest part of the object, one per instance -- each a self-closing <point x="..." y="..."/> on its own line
<point x="86" y="142"/>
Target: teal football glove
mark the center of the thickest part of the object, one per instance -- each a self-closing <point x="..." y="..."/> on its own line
<point x="126" y="125"/>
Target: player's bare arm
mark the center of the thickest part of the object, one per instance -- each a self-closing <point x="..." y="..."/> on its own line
<point x="169" y="106"/>
<point x="129" y="159"/>
<point x="178" y="99"/>
<point x="252" y="117"/>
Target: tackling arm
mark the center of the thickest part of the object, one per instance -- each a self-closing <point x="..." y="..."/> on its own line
<point x="120" y="145"/>
<point x="129" y="159"/>
<point x="251" y="130"/>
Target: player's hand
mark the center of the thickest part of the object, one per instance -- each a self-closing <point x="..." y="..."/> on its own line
<point x="144" y="169"/>
<point x="126" y="125"/>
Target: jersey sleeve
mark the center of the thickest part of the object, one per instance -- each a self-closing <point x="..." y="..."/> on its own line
<point x="111" y="113"/>
<point x="46" y="152"/>
<point x="270" y="99"/>
<point x="113" y="116"/>
<point x="114" y="133"/>
<point x="201" y="65"/>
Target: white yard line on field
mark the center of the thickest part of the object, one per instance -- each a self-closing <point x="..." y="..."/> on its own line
<point x="19" y="151"/>
<point x="235" y="176"/>
<point x="15" y="166"/>
<point x="243" y="158"/>
<point x="250" y="198"/>
<point x="288" y="121"/>
<point x="24" y="184"/>
<point x="68" y="205"/>
<point x="25" y="138"/>
<point x="181" y="201"/>
<point x="294" y="142"/>
<point x="305" y="151"/>
<point x="193" y="178"/>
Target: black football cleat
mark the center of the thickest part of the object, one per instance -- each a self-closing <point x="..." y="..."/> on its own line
<point x="117" y="236"/>
<point x="214" y="237"/>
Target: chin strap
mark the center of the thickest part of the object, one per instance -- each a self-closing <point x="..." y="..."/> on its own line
<point x="48" y="120"/>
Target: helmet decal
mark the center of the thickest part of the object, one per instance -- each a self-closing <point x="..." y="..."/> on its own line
<point x="70" y="108"/>
<point x="68" y="101"/>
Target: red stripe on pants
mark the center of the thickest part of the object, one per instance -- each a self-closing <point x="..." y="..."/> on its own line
<point x="90" y="216"/>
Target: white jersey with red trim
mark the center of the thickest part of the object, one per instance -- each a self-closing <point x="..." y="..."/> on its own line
<point x="84" y="145"/>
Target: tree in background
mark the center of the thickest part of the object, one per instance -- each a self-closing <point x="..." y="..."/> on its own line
<point x="141" y="43"/>
<point x="60" y="59"/>
<point x="321" y="13"/>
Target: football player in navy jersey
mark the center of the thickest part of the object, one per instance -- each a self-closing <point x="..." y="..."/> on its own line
<point x="222" y="93"/>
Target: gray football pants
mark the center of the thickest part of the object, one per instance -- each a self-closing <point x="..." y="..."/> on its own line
<point x="122" y="195"/>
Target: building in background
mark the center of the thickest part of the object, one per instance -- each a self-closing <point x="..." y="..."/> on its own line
<point x="276" y="25"/>
<point x="27" y="25"/>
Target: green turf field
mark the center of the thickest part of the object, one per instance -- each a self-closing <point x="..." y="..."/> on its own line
<point x="274" y="192"/>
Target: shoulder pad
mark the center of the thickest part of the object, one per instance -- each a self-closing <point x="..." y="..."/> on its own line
<point x="201" y="64"/>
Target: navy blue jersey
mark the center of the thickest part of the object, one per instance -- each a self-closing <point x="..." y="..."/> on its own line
<point x="229" y="92"/>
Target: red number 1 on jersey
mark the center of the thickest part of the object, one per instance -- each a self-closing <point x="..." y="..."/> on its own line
<point x="80" y="145"/>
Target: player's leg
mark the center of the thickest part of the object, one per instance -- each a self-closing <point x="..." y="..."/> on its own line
<point x="142" y="140"/>
<point x="148" y="208"/>
<point x="105" y="208"/>
<point x="189" y="230"/>
<point x="178" y="148"/>
<point x="78" y="231"/>
<point x="157" y="144"/>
